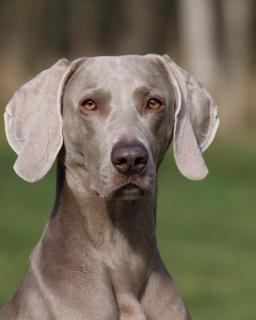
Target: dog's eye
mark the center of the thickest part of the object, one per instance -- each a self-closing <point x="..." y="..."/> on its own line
<point x="89" y="105"/>
<point x="154" y="104"/>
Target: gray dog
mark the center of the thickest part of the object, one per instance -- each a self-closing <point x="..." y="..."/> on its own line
<point x="109" y="122"/>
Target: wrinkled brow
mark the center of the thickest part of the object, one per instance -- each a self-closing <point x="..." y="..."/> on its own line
<point x="98" y="93"/>
<point x="142" y="91"/>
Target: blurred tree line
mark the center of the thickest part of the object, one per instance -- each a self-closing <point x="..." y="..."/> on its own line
<point x="213" y="39"/>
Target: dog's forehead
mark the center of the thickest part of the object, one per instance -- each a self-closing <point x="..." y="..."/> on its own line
<point x="130" y="70"/>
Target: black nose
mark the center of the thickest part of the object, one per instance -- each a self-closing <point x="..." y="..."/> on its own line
<point x="129" y="159"/>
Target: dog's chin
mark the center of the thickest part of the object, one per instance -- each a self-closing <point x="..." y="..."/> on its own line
<point x="129" y="192"/>
<point x="127" y="188"/>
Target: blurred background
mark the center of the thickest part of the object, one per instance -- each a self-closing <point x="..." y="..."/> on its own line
<point x="206" y="230"/>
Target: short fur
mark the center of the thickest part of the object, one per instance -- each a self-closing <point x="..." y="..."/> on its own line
<point x="98" y="257"/>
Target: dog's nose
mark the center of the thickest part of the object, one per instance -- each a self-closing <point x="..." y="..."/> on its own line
<point x="129" y="159"/>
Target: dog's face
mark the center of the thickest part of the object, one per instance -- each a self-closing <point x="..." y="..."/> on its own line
<point x="118" y="116"/>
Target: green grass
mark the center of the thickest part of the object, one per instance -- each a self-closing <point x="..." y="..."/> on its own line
<point x="206" y="230"/>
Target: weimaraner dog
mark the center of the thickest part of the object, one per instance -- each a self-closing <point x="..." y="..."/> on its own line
<point x="109" y="122"/>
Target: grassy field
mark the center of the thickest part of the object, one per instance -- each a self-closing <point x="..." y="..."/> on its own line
<point x="206" y="230"/>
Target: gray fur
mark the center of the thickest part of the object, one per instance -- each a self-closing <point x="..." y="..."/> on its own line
<point x="98" y="257"/>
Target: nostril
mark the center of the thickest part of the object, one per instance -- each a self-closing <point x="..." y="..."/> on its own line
<point x="120" y="161"/>
<point x="141" y="160"/>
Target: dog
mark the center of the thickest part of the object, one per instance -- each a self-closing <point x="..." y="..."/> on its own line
<point x="108" y="121"/>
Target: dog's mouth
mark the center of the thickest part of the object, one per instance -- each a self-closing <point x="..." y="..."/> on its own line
<point x="129" y="191"/>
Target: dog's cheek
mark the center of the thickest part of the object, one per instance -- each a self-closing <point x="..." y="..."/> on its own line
<point x="163" y="135"/>
<point x="99" y="177"/>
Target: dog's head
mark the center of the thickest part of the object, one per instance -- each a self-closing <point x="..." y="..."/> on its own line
<point x="117" y="117"/>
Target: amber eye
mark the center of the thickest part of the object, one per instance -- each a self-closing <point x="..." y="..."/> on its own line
<point x="154" y="104"/>
<point x="89" y="104"/>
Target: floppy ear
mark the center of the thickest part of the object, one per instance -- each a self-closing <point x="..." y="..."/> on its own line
<point x="33" y="121"/>
<point x="196" y="122"/>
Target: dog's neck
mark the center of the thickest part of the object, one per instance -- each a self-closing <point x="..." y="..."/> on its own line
<point x="98" y="219"/>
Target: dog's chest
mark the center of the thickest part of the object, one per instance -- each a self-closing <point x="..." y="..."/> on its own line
<point x="127" y="267"/>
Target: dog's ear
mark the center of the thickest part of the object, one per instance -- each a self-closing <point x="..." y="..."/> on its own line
<point x="33" y="122"/>
<point x="196" y="121"/>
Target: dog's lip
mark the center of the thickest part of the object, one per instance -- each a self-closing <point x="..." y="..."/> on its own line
<point x="128" y="191"/>
<point x="128" y="185"/>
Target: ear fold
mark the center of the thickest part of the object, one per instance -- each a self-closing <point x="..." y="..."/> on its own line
<point x="33" y="121"/>
<point x="196" y="122"/>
